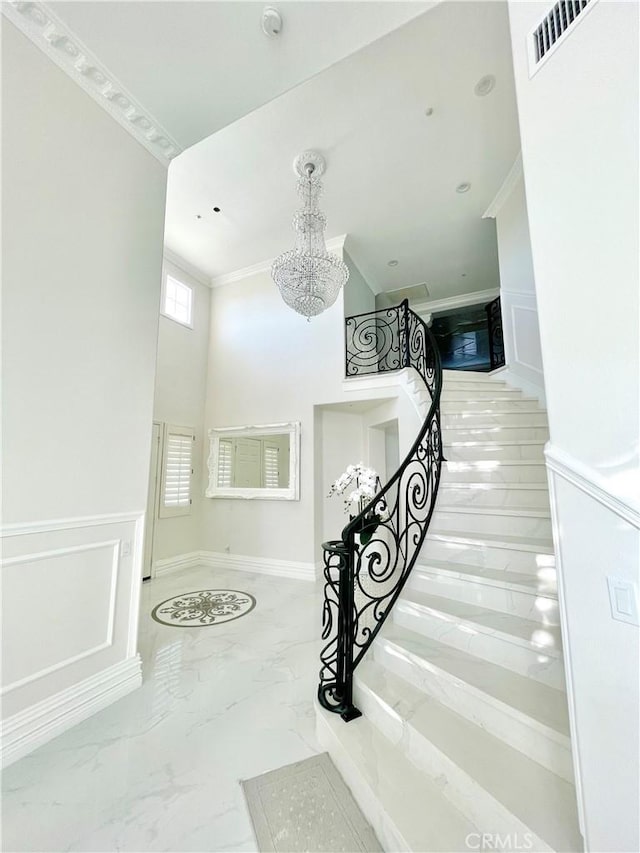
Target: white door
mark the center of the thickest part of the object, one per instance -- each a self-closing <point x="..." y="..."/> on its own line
<point x="152" y="502"/>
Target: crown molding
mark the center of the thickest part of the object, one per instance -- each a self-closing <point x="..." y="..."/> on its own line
<point x="515" y="174"/>
<point x="178" y="261"/>
<point x="461" y="301"/>
<point x="336" y="244"/>
<point x="57" y="41"/>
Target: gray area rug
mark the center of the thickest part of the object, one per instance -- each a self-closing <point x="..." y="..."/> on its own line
<point x="307" y="808"/>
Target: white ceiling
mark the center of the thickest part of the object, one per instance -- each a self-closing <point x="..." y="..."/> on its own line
<point x="198" y="66"/>
<point x="392" y="171"/>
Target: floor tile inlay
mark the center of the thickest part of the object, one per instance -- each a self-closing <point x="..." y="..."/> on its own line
<point x="203" y="607"/>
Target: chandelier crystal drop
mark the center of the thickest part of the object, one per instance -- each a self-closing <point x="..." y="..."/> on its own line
<point x="309" y="277"/>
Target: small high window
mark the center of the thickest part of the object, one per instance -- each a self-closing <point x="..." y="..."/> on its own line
<point x="177" y="301"/>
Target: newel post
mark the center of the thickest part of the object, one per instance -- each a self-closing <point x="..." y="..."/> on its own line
<point x="346" y="628"/>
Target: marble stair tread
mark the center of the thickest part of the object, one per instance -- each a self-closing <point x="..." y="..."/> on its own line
<point x="487" y="487"/>
<point x="488" y="464"/>
<point x="538" y="798"/>
<point x="528" y="511"/>
<point x="495" y="445"/>
<point x="507" y="429"/>
<point x="505" y="397"/>
<point x="544" y="705"/>
<point x="488" y="576"/>
<point x="470" y="376"/>
<point x="391" y="790"/>
<point x="482" y="393"/>
<point x="489" y="407"/>
<point x="532" y="544"/>
<point x="514" y="629"/>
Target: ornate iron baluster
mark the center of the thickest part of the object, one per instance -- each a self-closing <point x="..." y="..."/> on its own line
<point x="496" y="341"/>
<point x="364" y="577"/>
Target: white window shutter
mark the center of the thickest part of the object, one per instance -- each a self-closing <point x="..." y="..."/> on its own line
<point x="271" y="466"/>
<point x="225" y="463"/>
<point x="177" y="471"/>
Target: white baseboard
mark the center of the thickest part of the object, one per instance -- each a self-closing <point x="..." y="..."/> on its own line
<point x="31" y="728"/>
<point x="174" y="564"/>
<point x="260" y="565"/>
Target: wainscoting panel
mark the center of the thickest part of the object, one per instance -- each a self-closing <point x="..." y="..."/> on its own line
<point x="88" y="573"/>
<point x="71" y="590"/>
<point x="522" y="341"/>
<point x="597" y="534"/>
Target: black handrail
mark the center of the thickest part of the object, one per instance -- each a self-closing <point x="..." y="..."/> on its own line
<point x="367" y="568"/>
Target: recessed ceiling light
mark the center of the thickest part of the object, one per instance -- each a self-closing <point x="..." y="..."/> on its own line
<point x="392" y="263"/>
<point x="428" y="111"/>
<point x="271" y="22"/>
<point x="464" y="187"/>
<point x="484" y="85"/>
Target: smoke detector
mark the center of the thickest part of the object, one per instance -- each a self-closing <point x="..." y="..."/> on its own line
<point x="271" y="22"/>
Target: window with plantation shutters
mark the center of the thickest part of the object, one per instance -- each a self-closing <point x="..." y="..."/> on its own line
<point x="225" y="464"/>
<point x="271" y="466"/>
<point x="177" y="471"/>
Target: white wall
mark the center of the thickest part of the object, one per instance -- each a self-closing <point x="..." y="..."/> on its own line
<point x="179" y="399"/>
<point x="520" y="327"/>
<point x="82" y="235"/>
<point x="579" y="127"/>
<point x="268" y="365"/>
<point x="342" y="442"/>
<point x="358" y="296"/>
<point x="378" y="429"/>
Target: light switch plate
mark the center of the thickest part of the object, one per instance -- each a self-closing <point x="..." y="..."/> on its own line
<point x="125" y="549"/>
<point x="623" y="598"/>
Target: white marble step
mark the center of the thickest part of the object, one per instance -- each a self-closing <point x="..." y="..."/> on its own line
<point x="525" y="521"/>
<point x="480" y="392"/>
<point x="494" y="785"/>
<point x="498" y="404"/>
<point x="407" y="810"/>
<point x="507" y="495"/>
<point x="470" y="377"/>
<point x="494" y="471"/>
<point x="529" y="716"/>
<point x="516" y="553"/>
<point x="531" y="596"/>
<point x="532" y="416"/>
<point x="518" y="644"/>
<point x="475" y="386"/>
<point x="499" y="434"/>
<point x="476" y="451"/>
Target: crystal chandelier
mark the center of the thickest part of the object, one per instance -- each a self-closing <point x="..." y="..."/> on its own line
<point x="308" y="277"/>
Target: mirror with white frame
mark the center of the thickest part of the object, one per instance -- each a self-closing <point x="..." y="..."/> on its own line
<point x="260" y="461"/>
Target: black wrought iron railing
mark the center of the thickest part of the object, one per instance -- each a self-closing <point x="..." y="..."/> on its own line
<point x="365" y="570"/>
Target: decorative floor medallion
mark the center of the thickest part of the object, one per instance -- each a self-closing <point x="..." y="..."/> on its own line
<point x="203" y="607"/>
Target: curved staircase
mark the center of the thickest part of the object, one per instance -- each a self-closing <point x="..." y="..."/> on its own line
<point x="464" y="740"/>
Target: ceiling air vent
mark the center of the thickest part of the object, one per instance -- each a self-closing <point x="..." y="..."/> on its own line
<point x="553" y="29"/>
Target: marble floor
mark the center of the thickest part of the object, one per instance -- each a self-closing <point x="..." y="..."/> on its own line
<point x="160" y="769"/>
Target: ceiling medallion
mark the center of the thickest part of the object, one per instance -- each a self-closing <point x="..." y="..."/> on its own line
<point x="308" y="277"/>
